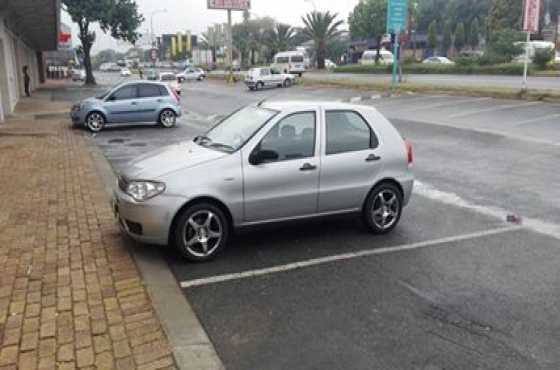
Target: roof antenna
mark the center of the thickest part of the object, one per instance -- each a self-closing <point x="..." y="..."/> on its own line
<point x="261" y="102"/>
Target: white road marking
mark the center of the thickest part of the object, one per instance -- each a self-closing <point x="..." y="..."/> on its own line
<point x="494" y="109"/>
<point x="539" y="226"/>
<point x="346" y="256"/>
<point x="536" y="119"/>
<point x="449" y="103"/>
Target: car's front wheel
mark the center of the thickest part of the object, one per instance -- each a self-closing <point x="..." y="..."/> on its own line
<point x="95" y="122"/>
<point x="287" y="83"/>
<point x="201" y="232"/>
<point x="383" y="208"/>
<point x="167" y="118"/>
<point x="259" y="86"/>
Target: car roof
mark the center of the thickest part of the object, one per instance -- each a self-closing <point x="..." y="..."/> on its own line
<point x="283" y="105"/>
<point x="138" y="82"/>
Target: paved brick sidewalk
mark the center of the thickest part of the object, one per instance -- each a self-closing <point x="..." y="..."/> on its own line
<point x="70" y="293"/>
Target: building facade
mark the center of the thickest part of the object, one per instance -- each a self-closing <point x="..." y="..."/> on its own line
<point x="26" y="30"/>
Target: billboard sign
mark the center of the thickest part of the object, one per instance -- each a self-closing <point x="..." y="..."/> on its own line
<point x="532" y="14"/>
<point x="397" y="16"/>
<point x="229" y="4"/>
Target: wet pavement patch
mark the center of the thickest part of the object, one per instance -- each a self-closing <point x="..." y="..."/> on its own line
<point x="117" y="141"/>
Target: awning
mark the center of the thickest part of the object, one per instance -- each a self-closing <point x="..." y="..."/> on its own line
<point x="37" y="22"/>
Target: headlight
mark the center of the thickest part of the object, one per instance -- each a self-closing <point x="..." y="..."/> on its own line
<point x="144" y="190"/>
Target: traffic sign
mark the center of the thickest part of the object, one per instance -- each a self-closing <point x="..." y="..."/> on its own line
<point x="397" y="16"/>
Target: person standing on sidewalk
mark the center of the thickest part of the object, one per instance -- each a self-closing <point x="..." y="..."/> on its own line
<point x="26" y="81"/>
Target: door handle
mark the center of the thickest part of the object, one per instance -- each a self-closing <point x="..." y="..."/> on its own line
<point x="133" y="103"/>
<point x="308" y="167"/>
<point x="372" y="157"/>
<point x="159" y="100"/>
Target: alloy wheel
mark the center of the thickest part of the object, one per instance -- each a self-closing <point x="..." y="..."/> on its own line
<point x="386" y="209"/>
<point x="95" y="122"/>
<point x="168" y="118"/>
<point x="203" y="233"/>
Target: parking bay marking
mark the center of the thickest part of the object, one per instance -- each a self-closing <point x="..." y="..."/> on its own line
<point x="346" y="256"/>
<point x="493" y="109"/>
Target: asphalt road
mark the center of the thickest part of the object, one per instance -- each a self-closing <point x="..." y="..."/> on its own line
<point x="513" y="82"/>
<point x="453" y="287"/>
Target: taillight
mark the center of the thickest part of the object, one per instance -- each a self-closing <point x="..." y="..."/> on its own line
<point x="409" y="152"/>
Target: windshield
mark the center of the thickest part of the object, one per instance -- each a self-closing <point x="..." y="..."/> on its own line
<point x="232" y="133"/>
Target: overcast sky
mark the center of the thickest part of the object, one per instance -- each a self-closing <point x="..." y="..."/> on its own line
<point x="193" y="15"/>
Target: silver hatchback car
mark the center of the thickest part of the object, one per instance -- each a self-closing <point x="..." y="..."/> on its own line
<point x="131" y="102"/>
<point x="270" y="162"/>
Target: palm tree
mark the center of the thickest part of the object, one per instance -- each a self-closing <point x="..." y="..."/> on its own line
<point x="321" y="27"/>
<point x="213" y="39"/>
<point x="280" y="38"/>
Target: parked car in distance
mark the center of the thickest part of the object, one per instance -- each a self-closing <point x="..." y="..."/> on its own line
<point x="125" y="72"/>
<point x="130" y="102"/>
<point x="191" y="73"/>
<point x="78" y="75"/>
<point x="292" y="62"/>
<point x="259" y="78"/>
<point x="329" y="64"/>
<point x="369" y="56"/>
<point x="171" y="80"/>
<point x="438" y="60"/>
<point x="270" y="162"/>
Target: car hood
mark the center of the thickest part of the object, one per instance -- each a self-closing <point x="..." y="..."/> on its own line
<point x="162" y="161"/>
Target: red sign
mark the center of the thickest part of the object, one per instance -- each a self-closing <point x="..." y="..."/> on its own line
<point x="532" y="14"/>
<point x="229" y="4"/>
<point x="64" y="37"/>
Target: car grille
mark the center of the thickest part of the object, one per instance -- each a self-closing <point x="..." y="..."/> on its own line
<point x="123" y="183"/>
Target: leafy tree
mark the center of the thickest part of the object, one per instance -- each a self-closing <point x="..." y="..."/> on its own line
<point x="543" y="57"/>
<point x="322" y="28"/>
<point x="460" y="37"/>
<point x="447" y="38"/>
<point x="504" y="14"/>
<point x="213" y="39"/>
<point x="369" y="20"/>
<point x="474" y="34"/>
<point x="503" y="48"/>
<point x="105" y="56"/>
<point x="432" y="36"/>
<point x="120" y="18"/>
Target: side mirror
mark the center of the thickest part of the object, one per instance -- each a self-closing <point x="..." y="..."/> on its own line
<point x="111" y="98"/>
<point x="262" y="156"/>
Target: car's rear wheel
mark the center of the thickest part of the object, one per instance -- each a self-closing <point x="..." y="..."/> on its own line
<point x="95" y="122"/>
<point x="287" y="83"/>
<point x="383" y="208"/>
<point x="167" y="118"/>
<point x="201" y="232"/>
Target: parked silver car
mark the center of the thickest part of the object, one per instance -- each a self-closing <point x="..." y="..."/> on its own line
<point x="270" y="162"/>
<point x="131" y="102"/>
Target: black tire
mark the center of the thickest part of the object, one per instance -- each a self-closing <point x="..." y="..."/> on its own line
<point x="251" y="88"/>
<point x="167" y="118"/>
<point x="287" y="83"/>
<point x="185" y="233"/>
<point x="95" y="121"/>
<point x="259" y="86"/>
<point x="390" y="208"/>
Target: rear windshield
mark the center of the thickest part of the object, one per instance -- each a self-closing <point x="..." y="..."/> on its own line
<point x="297" y="59"/>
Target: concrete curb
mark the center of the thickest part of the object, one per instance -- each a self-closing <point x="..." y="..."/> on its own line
<point x="192" y="349"/>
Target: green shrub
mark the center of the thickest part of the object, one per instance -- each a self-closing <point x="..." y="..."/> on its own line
<point x="543" y="57"/>
<point x="419" y="68"/>
<point x="466" y="61"/>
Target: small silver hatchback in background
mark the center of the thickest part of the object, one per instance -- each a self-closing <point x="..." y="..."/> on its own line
<point x="265" y="163"/>
<point x="131" y="102"/>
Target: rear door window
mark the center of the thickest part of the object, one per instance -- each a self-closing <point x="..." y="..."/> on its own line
<point x="148" y="91"/>
<point x="347" y="131"/>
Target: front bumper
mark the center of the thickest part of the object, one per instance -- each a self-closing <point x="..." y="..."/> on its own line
<point x="77" y="116"/>
<point x="147" y="222"/>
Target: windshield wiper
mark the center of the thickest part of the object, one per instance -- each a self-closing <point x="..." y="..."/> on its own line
<point x="223" y="146"/>
<point x="202" y="138"/>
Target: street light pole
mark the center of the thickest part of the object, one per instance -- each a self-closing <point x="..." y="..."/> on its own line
<point x="152" y="23"/>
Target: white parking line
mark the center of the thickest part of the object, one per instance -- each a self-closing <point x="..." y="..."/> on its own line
<point x="346" y="256"/>
<point x="448" y="103"/>
<point x="493" y="109"/>
<point x="536" y="119"/>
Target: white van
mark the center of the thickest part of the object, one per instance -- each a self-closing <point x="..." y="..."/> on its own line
<point x="368" y="57"/>
<point x="533" y="47"/>
<point x="290" y="62"/>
